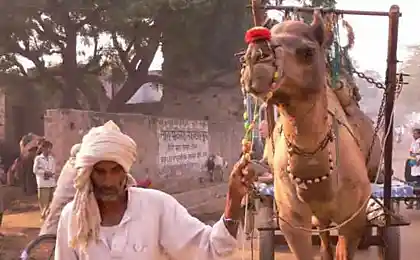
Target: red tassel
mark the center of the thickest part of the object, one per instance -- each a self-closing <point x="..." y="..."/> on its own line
<point x="257" y="33"/>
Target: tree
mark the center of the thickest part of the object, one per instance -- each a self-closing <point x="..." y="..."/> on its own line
<point x="321" y="3"/>
<point x="136" y="35"/>
<point x="33" y="31"/>
<point x="180" y="27"/>
<point x="199" y="42"/>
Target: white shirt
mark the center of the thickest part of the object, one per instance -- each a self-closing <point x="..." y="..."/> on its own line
<point x="41" y="165"/>
<point x="64" y="193"/>
<point x="153" y="227"/>
<point x="415" y="148"/>
<point x="220" y="162"/>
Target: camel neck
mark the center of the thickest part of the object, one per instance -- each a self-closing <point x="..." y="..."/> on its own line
<point x="306" y="124"/>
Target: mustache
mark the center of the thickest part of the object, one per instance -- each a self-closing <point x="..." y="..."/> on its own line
<point x="107" y="190"/>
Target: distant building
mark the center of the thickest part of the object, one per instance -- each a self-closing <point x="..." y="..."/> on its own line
<point x="147" y="93"/>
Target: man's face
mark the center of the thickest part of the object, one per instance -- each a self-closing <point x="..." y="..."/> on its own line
<point x="109" y="181"/>
<point x="416" y="134"/>
<point x="46" y="150"/>
<point x="263" y="129"/>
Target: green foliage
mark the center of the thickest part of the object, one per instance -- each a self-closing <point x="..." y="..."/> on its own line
<point x="198" y="36"/>
<point x="34" y="32"/>
<point x="201" y="39"/>
<point x="323" y="3"/>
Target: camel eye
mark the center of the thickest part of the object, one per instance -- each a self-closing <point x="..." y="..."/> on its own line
<point x="305" y="53"/>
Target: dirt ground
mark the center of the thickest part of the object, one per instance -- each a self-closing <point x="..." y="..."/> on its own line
<point x="409" y="244"/>
<point x="20" y="224"/>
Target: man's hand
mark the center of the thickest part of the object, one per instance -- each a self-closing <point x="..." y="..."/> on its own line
<point x="48" y="175"/>
<point x="240" y="180"/>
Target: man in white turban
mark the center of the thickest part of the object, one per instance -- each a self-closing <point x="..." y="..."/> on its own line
<point x="108" y="220"/>
<point x="65" y="192"/>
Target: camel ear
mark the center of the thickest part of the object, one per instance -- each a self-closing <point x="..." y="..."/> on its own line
<point x="318" y="27"/>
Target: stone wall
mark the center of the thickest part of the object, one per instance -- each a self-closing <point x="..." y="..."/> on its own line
<point x="65" y="127"/>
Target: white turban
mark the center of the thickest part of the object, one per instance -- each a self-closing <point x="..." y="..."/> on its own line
<point x="107" y="143"/>
<point x="74" y="150"/>
<point x="103" y="143"/>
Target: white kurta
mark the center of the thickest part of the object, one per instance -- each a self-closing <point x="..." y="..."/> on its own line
<point x="43" y="164"/>
<point x="154" y="225"/>
<point x="63" y="194"/>
<point x="415" y="149"/>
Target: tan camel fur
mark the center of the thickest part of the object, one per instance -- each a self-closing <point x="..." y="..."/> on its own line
<point x="369" y="142"/>
<point x="319" y="167"/>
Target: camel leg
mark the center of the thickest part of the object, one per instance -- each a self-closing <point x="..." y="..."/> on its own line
<point x="326" y="248"/>
<point x="299" y="241"/>
<point x="349" y="238"/>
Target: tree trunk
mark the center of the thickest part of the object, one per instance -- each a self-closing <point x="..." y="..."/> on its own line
<point x="91" y="96"/>
<point x="70" y="70"/>
<point x="69" y="98"/>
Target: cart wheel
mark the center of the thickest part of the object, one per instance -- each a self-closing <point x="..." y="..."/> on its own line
<point x="392" y="244"/>
<point x="266" y="233"/>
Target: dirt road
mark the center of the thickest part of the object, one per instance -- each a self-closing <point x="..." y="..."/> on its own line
<point x="410" y="244"/>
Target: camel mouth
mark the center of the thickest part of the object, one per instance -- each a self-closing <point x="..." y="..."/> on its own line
<point x="280" y="98"/>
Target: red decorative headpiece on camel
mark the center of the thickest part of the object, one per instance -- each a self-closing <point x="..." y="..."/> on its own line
<point x="257" y="33"/>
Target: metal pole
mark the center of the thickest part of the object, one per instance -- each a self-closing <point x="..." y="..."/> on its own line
<point x="391" y="82"/>
<point x="324" y="10"/>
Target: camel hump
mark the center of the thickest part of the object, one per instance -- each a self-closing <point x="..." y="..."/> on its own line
<point x="343" y="104"/>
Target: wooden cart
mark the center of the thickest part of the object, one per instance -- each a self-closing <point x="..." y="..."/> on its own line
<point x="387" y="237"/>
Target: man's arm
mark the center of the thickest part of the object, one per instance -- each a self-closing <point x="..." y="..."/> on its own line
<point x="37" y="168"/>
<point x="185" y="237"/>
<point x="62" y="249"/>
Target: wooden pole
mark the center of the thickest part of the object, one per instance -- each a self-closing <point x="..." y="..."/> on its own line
<point x="257" y="12"/>
<point x="266" y="212"/>
<point x="324" y="10"/>
<point x="391" y="85"/>
<point x="391" y="81"/>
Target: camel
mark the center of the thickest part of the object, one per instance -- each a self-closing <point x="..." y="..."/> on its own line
<point x="318" y="148"/>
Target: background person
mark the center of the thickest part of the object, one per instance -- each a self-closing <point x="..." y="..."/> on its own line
<point x="44" y="170"/>
<point x="412" y="165"/>
<point x="63" y="194"/>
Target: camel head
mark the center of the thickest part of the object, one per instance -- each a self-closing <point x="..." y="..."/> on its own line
<point x="286" y="63"/>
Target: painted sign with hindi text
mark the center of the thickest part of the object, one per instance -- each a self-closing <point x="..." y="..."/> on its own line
<point x="182" y="142"/>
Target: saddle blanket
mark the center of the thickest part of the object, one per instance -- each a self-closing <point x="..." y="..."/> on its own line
<point x="398" y="190"/>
